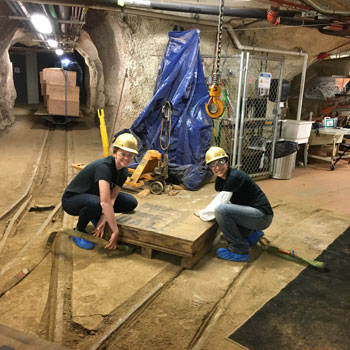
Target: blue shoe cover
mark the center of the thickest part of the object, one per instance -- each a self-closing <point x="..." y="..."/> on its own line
<point x="225" y="254"/>
<point x="254" y="237"/>
<point x="83" y="243"/>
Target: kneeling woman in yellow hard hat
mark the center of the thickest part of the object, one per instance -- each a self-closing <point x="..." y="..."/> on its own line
<point x="241" y="208"/>
<point x="94" y="194"/>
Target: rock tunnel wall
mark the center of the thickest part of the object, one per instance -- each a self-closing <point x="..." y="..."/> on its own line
<point x="131" y="49"/>
<point x="7" y="90"/>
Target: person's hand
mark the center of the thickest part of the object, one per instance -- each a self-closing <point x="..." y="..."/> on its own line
<point x="99" y="230"/>
<point x="197" y="212"/>
<point x="112" y="244"/>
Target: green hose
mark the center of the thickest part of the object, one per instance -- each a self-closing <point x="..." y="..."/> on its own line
<point x="290" y="256"/>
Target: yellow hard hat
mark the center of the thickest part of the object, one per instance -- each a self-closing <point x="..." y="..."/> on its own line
<point x="127" y="142"/>
<point x="214" y="153"/>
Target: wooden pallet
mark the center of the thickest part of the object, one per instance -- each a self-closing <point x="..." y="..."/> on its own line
<point x="155" y="227"/>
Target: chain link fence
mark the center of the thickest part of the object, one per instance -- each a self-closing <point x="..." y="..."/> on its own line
<point x="251" y="94"/>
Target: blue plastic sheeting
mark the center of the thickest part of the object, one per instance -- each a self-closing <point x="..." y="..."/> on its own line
<point x="181" y="81"/>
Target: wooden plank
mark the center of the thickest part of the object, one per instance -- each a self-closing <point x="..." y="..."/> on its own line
<point x="13" y="339"/>
<point x="154" y="240"/>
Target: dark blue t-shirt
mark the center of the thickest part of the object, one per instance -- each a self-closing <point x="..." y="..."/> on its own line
<point x="86" y="181"/>
<point x="245" y="190"/>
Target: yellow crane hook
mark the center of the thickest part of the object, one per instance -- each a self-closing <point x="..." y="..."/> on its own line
<point x="215" y="106"/>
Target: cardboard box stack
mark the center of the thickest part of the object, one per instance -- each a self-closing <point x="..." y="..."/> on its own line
<point x="54" y="84"/>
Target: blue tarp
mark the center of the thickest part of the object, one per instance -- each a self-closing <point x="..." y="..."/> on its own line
<point x="181" y="81"/>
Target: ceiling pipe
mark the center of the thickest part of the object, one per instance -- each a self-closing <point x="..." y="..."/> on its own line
<point x="303" y="22"/>
<point x="13" y="8"/>
<point x="344" y="32"/>
<point x="273" y="16"/>
<point x="173" y="7"/>
<point x="64" y="14"/>
<point x="67" y="21"/>
<point x="52" y="12"/>
<point x="204" y="9"/>
<point x="276" y="51"/>
<point x="23" y="12"/>
<point x="292" y="4"/>
<point x="324" y="11"/>
<point x="132" y="11"/>
<point x="283" y="17"/>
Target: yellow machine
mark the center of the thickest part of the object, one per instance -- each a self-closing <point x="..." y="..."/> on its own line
<point x="145" y="169"/>
<point x="151" y="168"/>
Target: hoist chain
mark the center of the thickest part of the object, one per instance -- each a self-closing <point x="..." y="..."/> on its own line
<point x="217" y="74"/>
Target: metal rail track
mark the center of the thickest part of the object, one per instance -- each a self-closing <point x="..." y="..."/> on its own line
<point x="30" y="221"/>
<point x="24" y="244"/>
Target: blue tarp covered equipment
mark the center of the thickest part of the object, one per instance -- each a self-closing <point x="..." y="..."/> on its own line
<point x="181" y="81"/>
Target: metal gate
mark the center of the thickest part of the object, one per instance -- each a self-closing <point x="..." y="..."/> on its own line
<point x="251" y="94"/>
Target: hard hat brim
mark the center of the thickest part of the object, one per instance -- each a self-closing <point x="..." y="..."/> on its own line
<point x="216" y="158"/>
<point x="128" y="149"/>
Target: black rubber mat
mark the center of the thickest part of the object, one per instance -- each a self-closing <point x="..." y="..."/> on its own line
<point x="311" y="313"/>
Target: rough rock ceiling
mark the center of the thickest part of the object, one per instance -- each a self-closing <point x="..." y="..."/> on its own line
<point x="331" y="17"/>
<point x="335" y="5"/>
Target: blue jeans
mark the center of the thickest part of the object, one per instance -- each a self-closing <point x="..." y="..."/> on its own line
<point x="88" y="207"/>
<point x="237" y="222"/>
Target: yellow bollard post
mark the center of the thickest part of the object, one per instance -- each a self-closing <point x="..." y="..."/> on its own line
<point x="103" y="131"/>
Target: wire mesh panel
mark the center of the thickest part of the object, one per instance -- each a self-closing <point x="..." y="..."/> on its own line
<point x="250" y="92"/>
<point x="259" y="115"/>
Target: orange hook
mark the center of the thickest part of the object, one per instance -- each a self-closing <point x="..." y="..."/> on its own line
<point x="214" y="107"/>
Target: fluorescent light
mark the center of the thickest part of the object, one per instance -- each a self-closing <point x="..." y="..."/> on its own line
<point x="59" y="52"/>
<point x="41" y="23"/>
<point x="52" y="43"/>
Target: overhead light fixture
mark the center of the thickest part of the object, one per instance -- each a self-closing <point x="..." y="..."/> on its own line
<point x="41" y="23"/>
<point x="52" y="43"/>
<point x="59" y="52"/>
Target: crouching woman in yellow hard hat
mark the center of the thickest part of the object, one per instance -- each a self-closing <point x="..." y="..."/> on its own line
<point x="241" y="208"/>
<point x="94" y="194"/>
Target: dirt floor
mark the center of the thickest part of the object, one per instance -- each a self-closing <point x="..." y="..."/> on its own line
<point x="122" y="300"/>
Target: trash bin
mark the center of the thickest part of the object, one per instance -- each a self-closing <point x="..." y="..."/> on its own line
<point x="284" y="166"/>
<point x="284" y="162"/>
